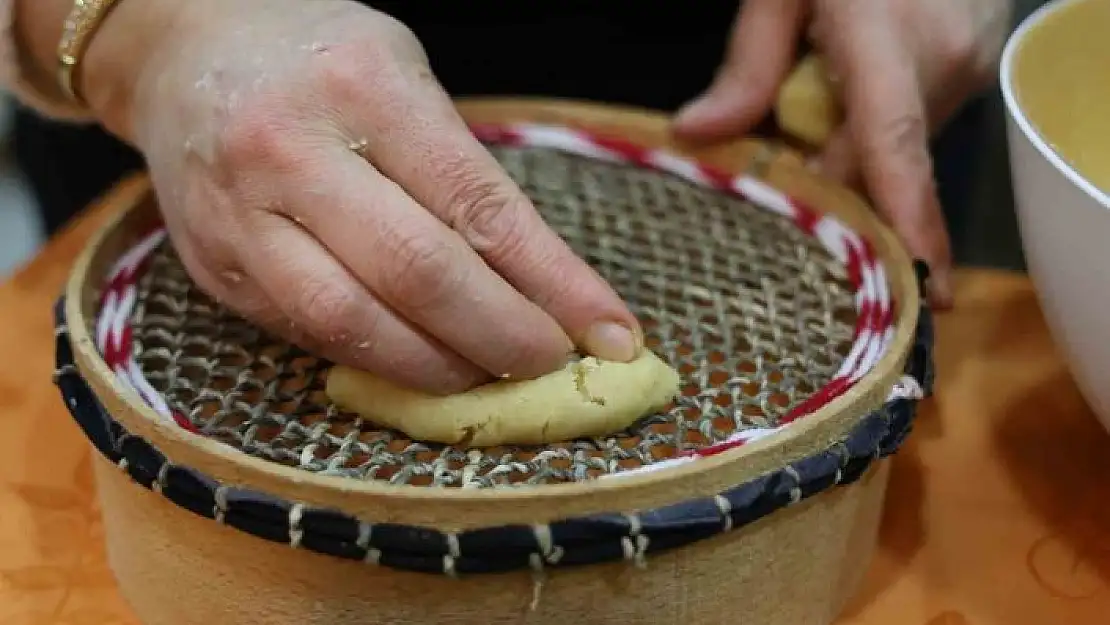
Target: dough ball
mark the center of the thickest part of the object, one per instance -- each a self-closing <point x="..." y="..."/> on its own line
<point x="807" y="107"/>
<point x="587" y="398"/>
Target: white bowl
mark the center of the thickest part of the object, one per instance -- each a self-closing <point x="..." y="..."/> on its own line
<point x="1055" y="77"/>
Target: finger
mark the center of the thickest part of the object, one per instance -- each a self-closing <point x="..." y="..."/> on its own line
<point x="838" y="160"/>
<point x="255" y="286"/>
<point x="887" y="117"/>
<point x="321" y="307"/>
<point x="421" y="142"/>
<point x="420" y="268"/>
<point x="760" y="54"/>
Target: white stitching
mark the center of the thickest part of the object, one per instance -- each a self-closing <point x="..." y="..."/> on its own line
<point x="539" y="577"/>
<point x="453" y="554"/>
<point x="63" y="370"/>
<point x="308" y="453"/>
<point x="365" y="530"/>
<point x="725" y="508"/>
<point x="795" y="491"/>
<point x="373" y="556"/>
<point x="296" y="533"/>
<point x="635" y="526"/>
<point x="635" y="544"/>
<point x="840" y="450"/>
<point x="453" y="549"/>
<point x="220" y="509"/>
<point x="551" y="552"/>
<point x="160" y="480"/>
<point x="449" y="567"/>
<point x="543" y="538"/>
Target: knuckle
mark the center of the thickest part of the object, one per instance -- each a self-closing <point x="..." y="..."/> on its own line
<point x="396" y="43"/>
<point x="342" y="81"/>
<point x="368" y="72"/>
<point x="323" y="307"/>
<point x="395" y="31"/>
<point x="489" y="217"/>
<point x="421" y="272"/>
<point x="258" y="137"/>
<point x="958" y="43"/>
<point x="956" y="54"/>
<point x="570" y="281"/>
<point x="362" y="73"/>
<point x="902" y="134"/>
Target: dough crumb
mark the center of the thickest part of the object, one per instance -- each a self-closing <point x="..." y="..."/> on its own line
<point x="582" y="368"/>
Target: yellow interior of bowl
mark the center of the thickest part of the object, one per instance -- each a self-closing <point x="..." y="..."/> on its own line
<point x="1061" y="78"/>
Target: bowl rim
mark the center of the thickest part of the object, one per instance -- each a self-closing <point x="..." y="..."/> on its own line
<point x="1014" y="109"/>
<point x="469" y="508"/>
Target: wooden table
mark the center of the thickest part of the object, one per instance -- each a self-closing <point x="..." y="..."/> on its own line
<point x="998" y="511"/>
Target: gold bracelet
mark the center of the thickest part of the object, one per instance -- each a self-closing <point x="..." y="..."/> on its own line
<point x="80" y="25"/>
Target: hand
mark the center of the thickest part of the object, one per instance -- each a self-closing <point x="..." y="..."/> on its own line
<point x="902" y="68"/>
<point x="316" y="178"/>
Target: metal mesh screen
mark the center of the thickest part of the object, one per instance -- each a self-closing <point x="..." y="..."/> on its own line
<point x="753" y="313"/>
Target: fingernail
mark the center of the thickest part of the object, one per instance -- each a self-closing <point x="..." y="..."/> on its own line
<point x="611" y="341"/>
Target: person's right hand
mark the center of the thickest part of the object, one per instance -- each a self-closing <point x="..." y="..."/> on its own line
<point x="316" y="178"/>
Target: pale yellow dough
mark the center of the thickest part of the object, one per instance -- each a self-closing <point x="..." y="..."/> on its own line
<point x="807" y="107"/>
<point x="584" y="399"/>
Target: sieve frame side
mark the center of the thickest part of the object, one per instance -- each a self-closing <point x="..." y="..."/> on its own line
<point x="460" y="509"/>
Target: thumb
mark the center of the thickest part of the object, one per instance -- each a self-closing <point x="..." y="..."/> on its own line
<point x="760" y="54"/>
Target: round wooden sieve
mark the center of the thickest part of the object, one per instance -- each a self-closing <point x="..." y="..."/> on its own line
<point x="791" y="313"/>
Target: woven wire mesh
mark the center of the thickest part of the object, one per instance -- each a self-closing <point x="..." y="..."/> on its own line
<point x="753" y="313"/>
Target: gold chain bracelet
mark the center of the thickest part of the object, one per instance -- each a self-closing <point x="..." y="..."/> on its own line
<point x="80" y="25"/>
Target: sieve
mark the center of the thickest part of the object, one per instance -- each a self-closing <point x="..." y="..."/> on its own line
<point x="795" y="324"/>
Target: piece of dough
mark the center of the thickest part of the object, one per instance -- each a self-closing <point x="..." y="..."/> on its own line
<point x="586" y="398"/>
<point x="807" y="106"/>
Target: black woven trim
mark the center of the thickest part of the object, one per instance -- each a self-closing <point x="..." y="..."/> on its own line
<point x="585" y="540"/>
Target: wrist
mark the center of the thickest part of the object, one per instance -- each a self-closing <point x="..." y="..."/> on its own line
<point x="125" y="45"/>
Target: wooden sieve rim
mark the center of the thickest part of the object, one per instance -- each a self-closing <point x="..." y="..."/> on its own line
<point x="465" y="508"/>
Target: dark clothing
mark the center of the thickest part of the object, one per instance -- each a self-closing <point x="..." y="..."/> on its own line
<point x="600" y="51"/>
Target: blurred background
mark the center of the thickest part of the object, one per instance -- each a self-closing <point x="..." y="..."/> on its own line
<point x="972" y="169"/>
<point x="21" y="227"/>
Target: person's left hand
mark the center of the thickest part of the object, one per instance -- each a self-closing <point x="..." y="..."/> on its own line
<point x="901" y="67"/>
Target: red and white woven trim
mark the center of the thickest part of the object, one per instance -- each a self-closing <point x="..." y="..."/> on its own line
<point x="113" y="324"/>
<point x="874" y="306"/>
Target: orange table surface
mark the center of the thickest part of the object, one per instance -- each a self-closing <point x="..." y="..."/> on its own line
<point x="998" y="511"/>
